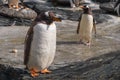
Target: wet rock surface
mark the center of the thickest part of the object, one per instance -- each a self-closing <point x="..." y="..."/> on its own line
<point x="104" y="1"/>
<point x="112" y="6"/>
<point x="8" y="21"/>
<point x="108" y="6"/>
<point x="66" y="12"/>
<point x="104" y="67"/>
<point x="72" y="61"/>
<point x="25" y="13"/>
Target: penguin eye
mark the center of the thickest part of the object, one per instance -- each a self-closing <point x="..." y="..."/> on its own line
<point x="47" y="14"/>
<point x="87" y="6"/>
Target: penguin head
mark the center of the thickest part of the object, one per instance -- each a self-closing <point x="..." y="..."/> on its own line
<point x="86" y="9"/>
<point x="48" y="17"/>
<point x="53" y="16"/>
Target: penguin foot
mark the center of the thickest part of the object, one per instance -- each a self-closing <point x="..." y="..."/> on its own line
<point x="80" y="42"/>
<point x="45" y="71"/>
<point x="34" y="72"/>
<point x="88" y="44"/>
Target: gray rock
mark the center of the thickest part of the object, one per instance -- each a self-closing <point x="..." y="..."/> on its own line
<point x="111" y="7"/>
<point x="8" y="21"/>
<point x="104" y="1"/>
<point x="108" y="6"/>
<point x="3" y="76"/>
<point x="1" y="2"/>
<point x="104" y="67"/>
<point x="22" y="13"/>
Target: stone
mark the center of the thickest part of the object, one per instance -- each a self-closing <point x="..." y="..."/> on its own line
<point x="111" y="7"/>
<point x="22" y="13"/>
<point x="1" y="2"/>
<point x="108" y="6"/>
<point x="3" y="76"/>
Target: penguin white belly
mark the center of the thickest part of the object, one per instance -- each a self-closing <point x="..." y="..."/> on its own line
<point x="86" y="26"/>
<point x="43" y="46"/>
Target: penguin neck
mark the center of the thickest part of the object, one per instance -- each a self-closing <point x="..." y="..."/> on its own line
<point x="89" y="13"/>
<point x="45" y="22"/>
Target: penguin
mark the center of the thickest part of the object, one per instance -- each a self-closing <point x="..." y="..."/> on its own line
<point x="40" y="43"/>
<point x="13" y="4"/>
<point x="86" y="25"/>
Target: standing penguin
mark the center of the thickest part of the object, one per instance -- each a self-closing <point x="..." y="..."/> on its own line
<point x="86" y="25"/>
<point x="40" y="43"/>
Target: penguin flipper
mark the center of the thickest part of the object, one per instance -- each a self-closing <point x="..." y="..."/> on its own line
<point x="27" y="45"/>
<point x="78" y="28"/>
<point x="94" y="26"/>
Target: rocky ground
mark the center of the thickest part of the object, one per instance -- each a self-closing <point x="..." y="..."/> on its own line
<point x="73" y="61"/>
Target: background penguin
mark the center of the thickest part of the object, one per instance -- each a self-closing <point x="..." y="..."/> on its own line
<point x="13" y="4"/>
<point x="86" y="25"/>
<point x="40" y="43"/>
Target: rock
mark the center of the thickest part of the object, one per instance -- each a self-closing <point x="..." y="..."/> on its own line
<point x="3" y="76"/>
<point x="104" y="67"/>
<point x="72" y="3"/>
<point x="14" y="51"/>
<point x="60" y="1"/>
<point x="22" y="13"/>
<point x="11" y="73"/>
<point x="67" y="14"/>
<point x="103" y="1"/>
<point x="8" y="21"/>
<point x="1" y="2"/>
<point x="117" y="7"/>
<point x="111" y="7"/>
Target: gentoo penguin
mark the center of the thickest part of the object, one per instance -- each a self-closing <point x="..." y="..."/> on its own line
<point x="86" y="25"/>
<point x="40" y="43"/>
<point x="13" y="4"/>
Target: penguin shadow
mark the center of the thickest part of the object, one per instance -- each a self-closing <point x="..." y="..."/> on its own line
<point x="77" y="69"/>
<point x="8" y="72"/>
<point x="71" y="43"/>
<point x="67" y="42"/>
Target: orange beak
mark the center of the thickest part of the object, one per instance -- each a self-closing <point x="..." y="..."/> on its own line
<point x="57" y="19"/>
<point x="81" y="7"/>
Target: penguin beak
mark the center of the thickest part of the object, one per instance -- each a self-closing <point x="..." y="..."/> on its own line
<point x="84" y="7"/>
<point x="81" y="7"/>
<point x="57" y="18"/>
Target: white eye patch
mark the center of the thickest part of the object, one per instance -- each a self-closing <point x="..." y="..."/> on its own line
<point x="87" y="6"/>
<point x="47" y="13"/>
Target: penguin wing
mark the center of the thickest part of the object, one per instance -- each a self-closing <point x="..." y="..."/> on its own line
<point x="27" y="45"/>
<point x="79" y="24"/>
<point x="94" y="26"/>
